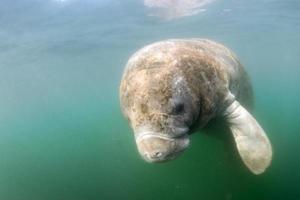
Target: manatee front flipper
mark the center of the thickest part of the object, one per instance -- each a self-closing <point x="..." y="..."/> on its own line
<point x="252" y="143"/>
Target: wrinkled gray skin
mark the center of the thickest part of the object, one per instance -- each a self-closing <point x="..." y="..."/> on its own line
<point x="171" y="85"/>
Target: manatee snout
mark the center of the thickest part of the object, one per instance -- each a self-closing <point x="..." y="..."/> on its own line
<point x="156" y="147"/>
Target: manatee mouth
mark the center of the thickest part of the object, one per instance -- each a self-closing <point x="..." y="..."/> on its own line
<point x="156" y="147"/>
<point x="146" y="135"/>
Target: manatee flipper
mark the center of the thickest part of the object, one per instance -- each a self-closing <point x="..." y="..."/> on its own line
<point x="252" y="143"/>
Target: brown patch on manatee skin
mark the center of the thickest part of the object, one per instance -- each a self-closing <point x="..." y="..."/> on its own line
<point x="140" y="89"/>
<point x="205" y="78"/>
<point x="209" y="69"/>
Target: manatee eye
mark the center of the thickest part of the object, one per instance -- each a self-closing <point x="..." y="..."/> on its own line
<point x="178" y="108"/>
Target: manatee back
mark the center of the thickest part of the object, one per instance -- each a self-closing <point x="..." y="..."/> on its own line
<point x="161" y="54"/>
<point x="239" y="82"/>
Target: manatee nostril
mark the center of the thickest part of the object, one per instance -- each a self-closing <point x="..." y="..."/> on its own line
<point x="157" y="154"/>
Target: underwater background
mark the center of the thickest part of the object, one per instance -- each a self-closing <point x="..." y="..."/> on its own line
<point x="62" y="134"/>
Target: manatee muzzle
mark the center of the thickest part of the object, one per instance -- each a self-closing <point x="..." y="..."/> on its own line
<point x="157" y="147"/>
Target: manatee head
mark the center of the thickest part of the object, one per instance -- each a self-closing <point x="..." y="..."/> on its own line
<point x="160" y="108"/>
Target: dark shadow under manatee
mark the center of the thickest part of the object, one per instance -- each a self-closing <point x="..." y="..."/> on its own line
<point x="218" y="128"/>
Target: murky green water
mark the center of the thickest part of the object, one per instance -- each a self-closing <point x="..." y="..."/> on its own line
<point x="62" y="135"/>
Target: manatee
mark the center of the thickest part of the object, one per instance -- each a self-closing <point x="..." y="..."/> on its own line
<point x="169" y="86"/>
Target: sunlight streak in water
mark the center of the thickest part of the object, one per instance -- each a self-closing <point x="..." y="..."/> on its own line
<point x="171" y="9"/>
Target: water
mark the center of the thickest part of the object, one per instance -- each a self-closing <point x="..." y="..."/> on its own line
<point x="62" y="135"/>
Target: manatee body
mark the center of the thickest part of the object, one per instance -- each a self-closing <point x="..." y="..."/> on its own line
<point x="169" y="86"/>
